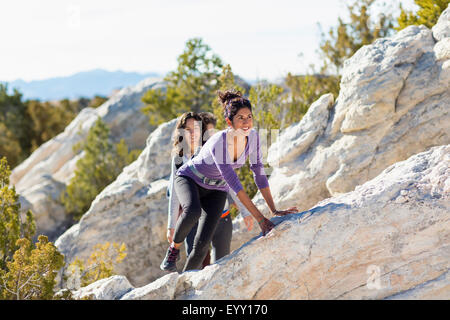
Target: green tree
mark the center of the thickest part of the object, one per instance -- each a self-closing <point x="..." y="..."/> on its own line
<point x="32" y="272"/>
<point x="27" y="271"/>
<point x="227" y="81"/>
<point x="302" y="91"/>
<point x="72" y="107"/>
<point x="15" y="126"/>
<point x="343" y="41"/>
<point x="97" y="101"/>
<point x="47" y="121"/>
<point x="9" y="145"/>
<point x="191" y="87"/>
<point x="266" y="104"/>
<point x="427" y="14"/>
<point x="123" y="156"/>
<point x="25" y="125"/>
<point x="102" y="163"/>
<point x="12" y="228"/>
<point x="101" y="264"/>
<point x="339" y="44"/>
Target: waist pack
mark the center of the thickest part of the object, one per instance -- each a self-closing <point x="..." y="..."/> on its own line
<point x="206" y="180"/>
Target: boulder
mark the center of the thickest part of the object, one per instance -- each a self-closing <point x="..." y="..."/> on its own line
<point x="387" y="239"/>
<point x="393" y="103"/>
<point x="131" y="210"/>
<point x="45" y="173"/>
<point x="111" y="288"/>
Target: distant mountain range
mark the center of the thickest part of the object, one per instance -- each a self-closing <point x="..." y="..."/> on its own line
<point x="82" y="84"/>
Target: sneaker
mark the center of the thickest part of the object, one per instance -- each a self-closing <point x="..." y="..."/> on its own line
<point x="169" y="262"/>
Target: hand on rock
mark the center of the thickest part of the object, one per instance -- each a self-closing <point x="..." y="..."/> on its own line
<point x="266" y="225"/>
<point x="285" y="212"/>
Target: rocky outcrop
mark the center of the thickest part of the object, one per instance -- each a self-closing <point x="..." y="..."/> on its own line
<point x="111" y="288"/>
<point x="131" y="210"/>
<point x="387" y="239"/>
<point x="393" y="103"/>
<point x="40" y="178"/>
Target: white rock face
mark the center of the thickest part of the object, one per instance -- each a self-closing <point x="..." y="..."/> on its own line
<point x="131" y="210"/>
<point x="442" y="28"/>
<point x="111" y="288"/>
<point x="394" y="102"/>
<point x="387" y="239"/>
<point x="41" y="177"/>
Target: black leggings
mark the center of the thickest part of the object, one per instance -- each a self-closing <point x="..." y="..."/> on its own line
<point x="193" y="198"/>
<point x="221" y="240"/>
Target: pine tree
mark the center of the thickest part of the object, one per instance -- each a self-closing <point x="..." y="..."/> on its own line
<point x="101" y="264"/>
<point x="302" y="91"/>
<point x="97" y="101"/>
<point x="227" y="81"/>
<point x="27" y="271"/>
<point x="348" y="37"/>
<point x="9" y="146"/>
<point x="102" y="163"/>
<point x="25" y="125"/>
<point x="31" y="273"/>
<point x="12" y="228"/>
<point x="14" y="126"/>
<point x="266" y="104"/>
<point x="191" y="87"/>
<point x="427" y="14"/>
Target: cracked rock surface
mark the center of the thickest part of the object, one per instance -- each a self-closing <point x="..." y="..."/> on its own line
<point x="131" y="210"/>
<point x="359" y="245"/>
<point x="45" y="173"/>
<point x="394" y="102"/>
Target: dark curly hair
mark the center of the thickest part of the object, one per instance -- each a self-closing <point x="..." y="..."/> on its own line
<point x="208" y="118"/>
<point x="232" y="101"/>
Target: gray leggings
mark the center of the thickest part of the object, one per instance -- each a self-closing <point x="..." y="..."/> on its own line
<point x="202" y="206"/>
<point x="221" y="240"/>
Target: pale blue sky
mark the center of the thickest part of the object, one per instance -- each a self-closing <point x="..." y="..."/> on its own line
<point x="260" y="39"/>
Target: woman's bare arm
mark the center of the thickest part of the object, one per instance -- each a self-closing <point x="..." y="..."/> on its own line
<point x="267" y="195"/>
<point x="269" y="200"/>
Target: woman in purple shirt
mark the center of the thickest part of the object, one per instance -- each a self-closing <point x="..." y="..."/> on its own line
<point x="203" y="182"/>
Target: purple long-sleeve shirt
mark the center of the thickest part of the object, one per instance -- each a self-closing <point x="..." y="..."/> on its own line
<point x="214" y="162"/>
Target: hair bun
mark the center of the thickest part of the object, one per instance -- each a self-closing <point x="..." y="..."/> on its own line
<point x="225" y="96"/>
<point x="232" y="100"/>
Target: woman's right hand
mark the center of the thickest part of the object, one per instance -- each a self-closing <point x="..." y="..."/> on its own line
<point x="170" y="233"/>
<point x="248" y="220"/>
<point x="285" y="212"/>
<point x="266" y="225"/>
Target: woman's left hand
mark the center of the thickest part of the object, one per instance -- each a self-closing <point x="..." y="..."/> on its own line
<point x="285" y="212"/>
<point x="266" y="225"/>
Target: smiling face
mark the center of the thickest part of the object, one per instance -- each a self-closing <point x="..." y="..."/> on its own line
<point x="242" y="121"/>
